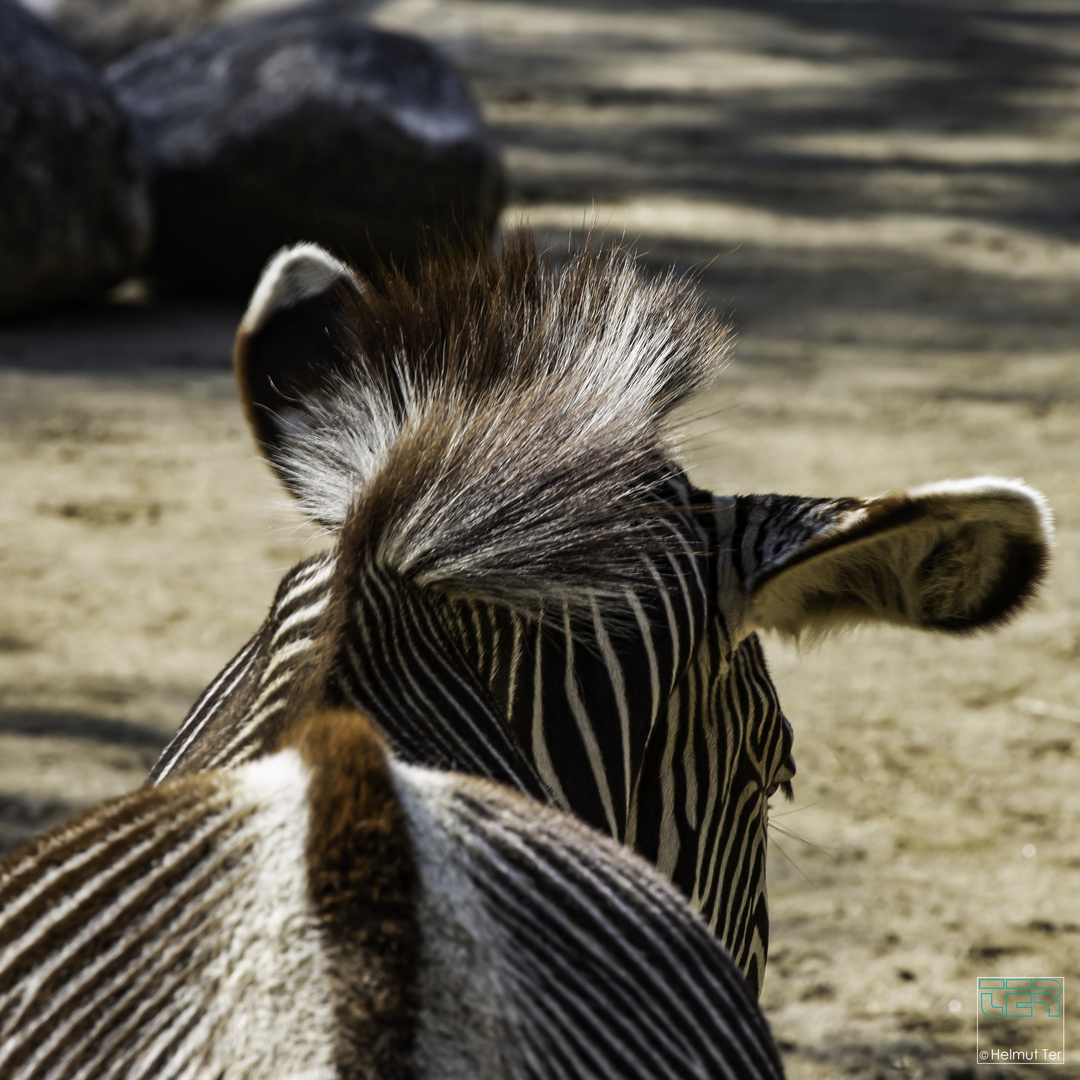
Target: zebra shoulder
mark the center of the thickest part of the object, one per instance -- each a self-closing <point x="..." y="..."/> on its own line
<point x="187" y="928"/>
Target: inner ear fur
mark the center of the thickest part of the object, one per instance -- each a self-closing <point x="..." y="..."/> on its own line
<point x="954" y="556"/>
<point x="288" y="345"/>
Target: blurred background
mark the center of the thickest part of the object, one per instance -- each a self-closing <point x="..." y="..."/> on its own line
<point x="883" y="196"/>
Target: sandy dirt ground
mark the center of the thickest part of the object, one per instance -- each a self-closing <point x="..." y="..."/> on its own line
<point x="884" y="195"/>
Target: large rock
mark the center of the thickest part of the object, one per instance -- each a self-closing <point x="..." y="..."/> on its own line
<point x="102" y="31"/>
<point x="303" y="127"/>
<point x="74" y="211"/>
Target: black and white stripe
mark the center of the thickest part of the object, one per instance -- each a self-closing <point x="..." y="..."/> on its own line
<point x="329" y="913"/>
<point x="606" y="969"/>
<point x="648" y="720"/>
<point x="134" y="942"/>
<point x="241" y="712"/>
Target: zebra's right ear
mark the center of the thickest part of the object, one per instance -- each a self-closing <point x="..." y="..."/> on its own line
<point x="288" y="347"/>
<point x="954" y="556"/>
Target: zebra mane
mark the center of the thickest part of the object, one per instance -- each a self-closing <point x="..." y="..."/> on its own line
<point x="499" y="426"/>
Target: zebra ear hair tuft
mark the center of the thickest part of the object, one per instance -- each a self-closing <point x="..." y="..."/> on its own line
<point x="956" y="556"/>
<point x="288" y="344"/>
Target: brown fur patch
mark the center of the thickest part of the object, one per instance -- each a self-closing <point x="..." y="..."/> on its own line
<point x="363" y="882"/>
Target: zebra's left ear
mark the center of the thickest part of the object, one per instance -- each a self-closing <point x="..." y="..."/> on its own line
<point x="288" y="345"/>
<point x="953" y="556"/>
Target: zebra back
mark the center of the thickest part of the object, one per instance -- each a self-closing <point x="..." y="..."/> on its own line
<point x="330" y="912"/>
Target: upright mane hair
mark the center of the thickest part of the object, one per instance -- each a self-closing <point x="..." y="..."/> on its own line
<point x="496" y="424"/>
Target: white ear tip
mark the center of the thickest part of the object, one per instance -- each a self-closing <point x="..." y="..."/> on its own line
<point x="999" y="486"/>
<point x="292" y="275"/>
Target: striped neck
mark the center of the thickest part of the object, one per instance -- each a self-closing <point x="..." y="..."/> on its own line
<point x="398" y="663"/>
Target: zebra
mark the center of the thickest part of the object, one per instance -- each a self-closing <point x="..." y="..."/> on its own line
<point x="327" y="911"/>
<point x="523" y="583"/>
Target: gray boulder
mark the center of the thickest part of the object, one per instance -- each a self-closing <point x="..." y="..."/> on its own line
<point x="303" y="127"/>
<point x="102" y="31"/>
<point x="74" y="210"/>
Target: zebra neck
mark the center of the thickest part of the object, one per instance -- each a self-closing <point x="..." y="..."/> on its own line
<point x="398" y="663"/>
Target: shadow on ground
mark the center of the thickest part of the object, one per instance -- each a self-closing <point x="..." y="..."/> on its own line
<point x="923" y="69"/>
<point x="25" y="814"/>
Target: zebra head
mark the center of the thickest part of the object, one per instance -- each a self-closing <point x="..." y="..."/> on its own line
<point x="525" y="586"/>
